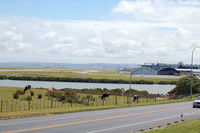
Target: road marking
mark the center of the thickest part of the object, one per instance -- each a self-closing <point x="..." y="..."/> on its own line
<point x="178" y="116"/>
<point x="104" y="113"/>
<point x="101" y="130"/>
<point x="67" y="117"/>
<point x="95" y="120"/>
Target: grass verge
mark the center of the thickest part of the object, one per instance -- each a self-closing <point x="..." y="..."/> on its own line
<point x="192" y="126"/>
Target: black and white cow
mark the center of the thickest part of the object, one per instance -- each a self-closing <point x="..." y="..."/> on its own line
<point x="136" y="97"/>
<point x="104" y="96"/>
<point x="28" y="87"/>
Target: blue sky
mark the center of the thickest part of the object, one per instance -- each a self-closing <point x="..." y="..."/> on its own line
<point x="99" y="31"/>
<point x="62" y="9"/>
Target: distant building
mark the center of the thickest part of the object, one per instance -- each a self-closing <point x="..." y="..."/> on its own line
<point x="144" y="71"/>
<point x="165" y="69"/>
<point x="168" y="71"/>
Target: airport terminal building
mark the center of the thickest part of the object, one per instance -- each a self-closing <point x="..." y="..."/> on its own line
<point x="166" y="69"/>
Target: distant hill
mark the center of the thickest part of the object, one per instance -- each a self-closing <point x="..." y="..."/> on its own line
<point x="89" y="65"/>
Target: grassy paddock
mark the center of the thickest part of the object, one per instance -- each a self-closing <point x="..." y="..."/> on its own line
<point x="45" y="106"/>
<point x="94" y="74"/>
<point x="184" y="127"/>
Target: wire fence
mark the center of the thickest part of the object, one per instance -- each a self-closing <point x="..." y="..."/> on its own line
<point x="16" y="105"/>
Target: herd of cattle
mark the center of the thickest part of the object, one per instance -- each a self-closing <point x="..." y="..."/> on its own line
<point x="28" y="87"/>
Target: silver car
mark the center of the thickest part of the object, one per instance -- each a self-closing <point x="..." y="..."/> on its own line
<point x="196" y="102"/>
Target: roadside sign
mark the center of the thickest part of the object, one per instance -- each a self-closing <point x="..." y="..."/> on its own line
<point x="122" y="90"/>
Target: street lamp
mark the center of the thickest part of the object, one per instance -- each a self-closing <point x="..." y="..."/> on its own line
<point x="130" y="88"/>
<point x="192" y="72"/>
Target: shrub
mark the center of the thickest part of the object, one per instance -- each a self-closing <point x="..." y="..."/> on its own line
<point x="19" y="92"/>
<point x="28" y="98"/>
<point x="62" y="98"/>
<point x="32" y="93"/>
<point x="183" y="86"/>
<point x="15" y="96"/>
<point x="39" y="96"/>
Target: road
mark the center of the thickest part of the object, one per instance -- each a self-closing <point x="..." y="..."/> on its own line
<point x="124" y="120"/>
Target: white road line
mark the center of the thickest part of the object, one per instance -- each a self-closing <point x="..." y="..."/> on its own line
<point x="131" y="124"/>
<point x="102" y="130"/>
<point x="69" y="117"/>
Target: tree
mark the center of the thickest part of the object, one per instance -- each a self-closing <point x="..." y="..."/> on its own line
<point x="183" y="86"/>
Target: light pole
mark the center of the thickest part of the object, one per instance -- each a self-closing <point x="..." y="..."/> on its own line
<point x="192" y="72"/>
<point x="130" y="88"/>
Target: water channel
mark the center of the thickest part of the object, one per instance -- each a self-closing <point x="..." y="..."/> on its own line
<point x="151" y="88"/>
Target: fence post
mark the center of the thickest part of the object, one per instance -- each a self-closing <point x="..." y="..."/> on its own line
<point x="116" y="100"/>
<point x="31" y="109"/>
<point x="40" y="104"/>
<point x="37" y="104"/>
<point x="24" y="104"/>
<point x="16" y="106"/>
<point x="55" y="103"/>
<point x="12" y="106"/>
<point x="6" y="105"/>
<point x="71" y="102"/>
<point x="32" y="103"/>
<point x="19" y="105"/>
<point x="44" y="103"/>
<point x="155" y="98"/>
<point x="1" y="105"/>
<point x="51" y="102"/>
<point x="29" y="104"/>
<point x="147" y="99"/>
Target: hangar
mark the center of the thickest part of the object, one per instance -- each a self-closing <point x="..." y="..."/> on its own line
<point x="168" y="71"/>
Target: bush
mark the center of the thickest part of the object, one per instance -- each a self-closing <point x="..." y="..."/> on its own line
<point x="39" y="96"/>
<point x="183" y="86"/>
<point x="62" y="98"/>
<point x="28" y="98"/>
<point x="32" y="93"/>
<point x="15" y="96"/>
<point x="19" y="92"/>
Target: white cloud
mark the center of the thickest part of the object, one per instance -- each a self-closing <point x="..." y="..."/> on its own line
<point x="158" y="31"/>
<point x="49" y="35"/>
<point x="181" y="11"/>
<point x="13" y="36"/>
<point x="127" y="7"/>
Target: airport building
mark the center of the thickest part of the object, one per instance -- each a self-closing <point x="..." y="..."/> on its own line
<point x="166" y="69"/>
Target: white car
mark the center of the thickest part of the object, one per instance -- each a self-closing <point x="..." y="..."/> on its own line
<point x="196" y="102"/>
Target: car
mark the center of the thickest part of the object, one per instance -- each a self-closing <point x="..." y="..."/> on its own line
<point x="196" y="103"/>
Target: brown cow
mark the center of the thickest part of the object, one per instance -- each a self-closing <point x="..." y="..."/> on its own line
<point x="50" y="90"/>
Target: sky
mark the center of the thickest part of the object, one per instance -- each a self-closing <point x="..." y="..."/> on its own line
<point x="100" y="31"/>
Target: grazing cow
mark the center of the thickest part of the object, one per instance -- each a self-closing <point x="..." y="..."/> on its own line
<point x="136" y="97"/>
<point x="50" y="90"/>
<point x="28" y="87"/>
<point x="104" y="96"/>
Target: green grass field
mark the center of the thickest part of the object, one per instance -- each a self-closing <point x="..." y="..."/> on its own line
<point x="78" y="73"/>
<point x="184" y="127"/>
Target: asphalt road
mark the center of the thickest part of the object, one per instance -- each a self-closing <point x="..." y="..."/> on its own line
<point x="133" y="119"/>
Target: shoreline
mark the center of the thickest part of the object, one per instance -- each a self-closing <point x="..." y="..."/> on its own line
<point x="85" y="80"/>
